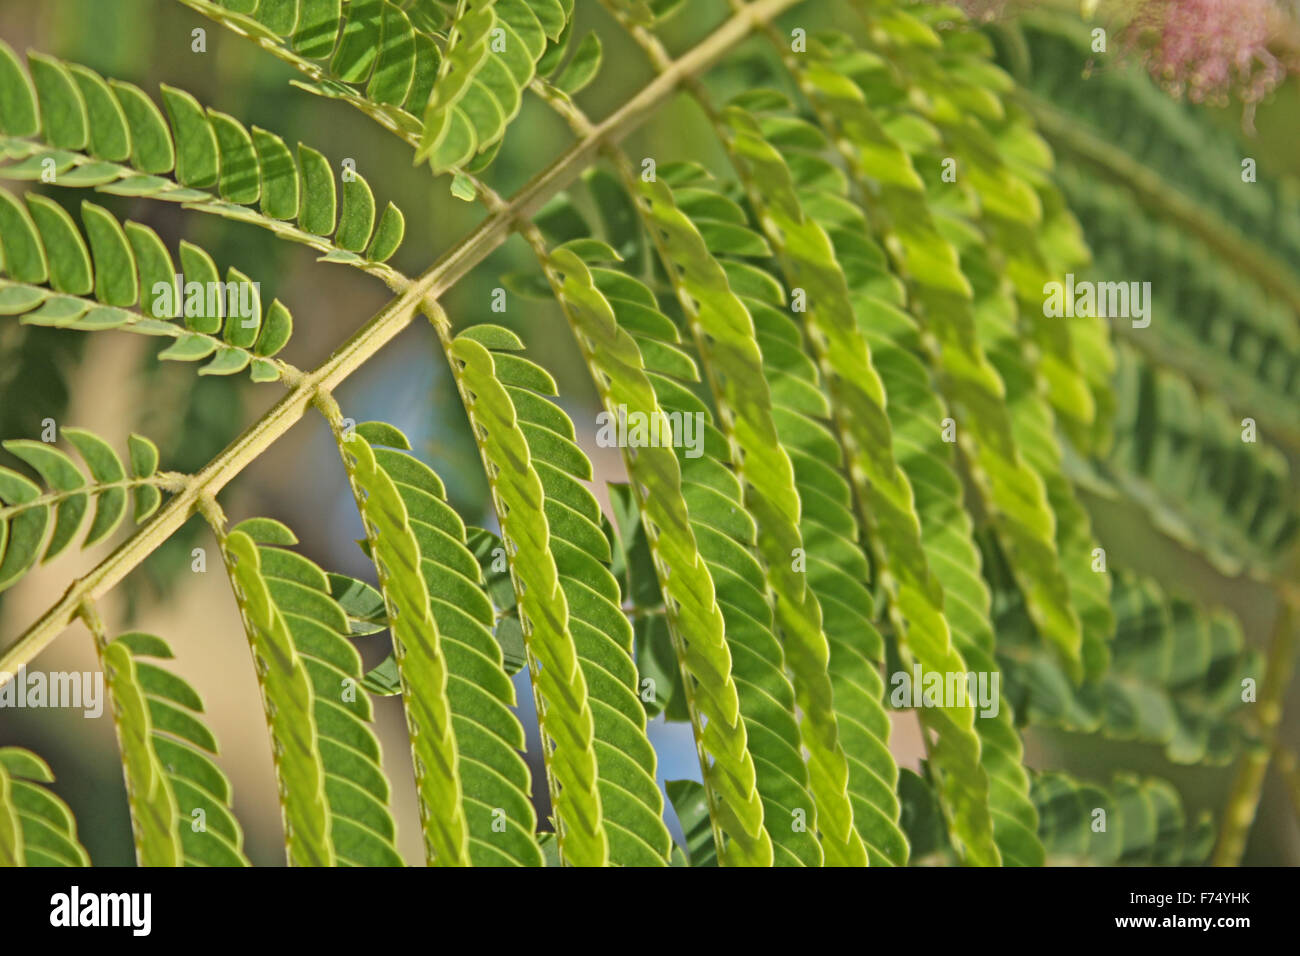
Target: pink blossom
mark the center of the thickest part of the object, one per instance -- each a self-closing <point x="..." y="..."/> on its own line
<point x="1206" y="49"/>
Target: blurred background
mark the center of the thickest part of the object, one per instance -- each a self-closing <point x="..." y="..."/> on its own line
<point x="112" y="384"/>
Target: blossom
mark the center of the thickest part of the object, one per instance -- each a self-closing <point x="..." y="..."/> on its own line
<point x="1206" y="49"/>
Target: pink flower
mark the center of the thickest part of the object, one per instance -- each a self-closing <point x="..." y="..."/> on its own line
<point x="1206" y="49"/>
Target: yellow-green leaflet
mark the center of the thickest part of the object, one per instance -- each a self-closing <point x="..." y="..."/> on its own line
<point x="725" y="336"/>
<point x="36" y="827"/>
<point x="810" y="264"/>
<point x="153" y="807"/>
<point x="565" y="712"/>
<point x="620" y="376"/>
<point x="418" y="652"/>
<point x="976" y="394"/>
<point x="287" y="696"/>
<point x="631" y="803"/>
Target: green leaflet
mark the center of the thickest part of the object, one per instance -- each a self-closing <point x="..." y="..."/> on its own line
<point x="636" y="12"/>
<point x="356" y="215"/>
<point x="289" y="701"/>
<point x="564" y="705"/>
<point x="395" y="66"/>
<point x="318" y="27"/>
<point x="36" y="827"/>
<point x="948" y="538"/>
<point x="197" y="158"/>
<point x="724" y="334"/>
<point x="19" y="117"/>
<point x="221" y="167"/>
<point x="1033" y="425"/>
<point x="110" y="136"/>
<point x="691" y="804"/>
<point x="1176" y="679"/>
<point x="582" y="67"/>
<point x="62" y="109"/>
<point x="726" y="538"/>
<point x="509" y="633"/>
<point x="858" y="402"/>
<point x="416" y="644"/>
<point x="35" y="523"/>
<point x="131" y="268"/>
<point x="631" y="804"/>
<point x="1214" y="324"/>
<point x="179" y="799"/>
<point x="621" y="376"/>
<point x="1191" y="465"/>
<point x="469" y="774"/>
<point x="359" y="41"/>
<point x="633" y="566"/>
<point x="1012" y="491"/>
<point x="278" y="16"/>
<point x="1133" y="821"/>
<point x="70" y="270"/>
<point x="361" y="831"/>
<point x="24" y="253"/>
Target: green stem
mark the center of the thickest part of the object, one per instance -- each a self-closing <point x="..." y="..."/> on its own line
<point x="1243" y="802"/>
<point x="168" y="481"/>
<point x="147" y="325"/>
<point x="1289" y="768"/>
<point x="95" y="624"/>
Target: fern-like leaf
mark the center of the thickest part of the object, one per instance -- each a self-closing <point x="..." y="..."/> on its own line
<point x="1176" y="679"/>
<point x="216" y="164"/>
<point x="725" y="338"/>
<point x="36" y="827"/>
<point x="42" y="524"/>
<point x="288" y="700"/>
<point x="132" y="267"/>
<point x="362" y="832"/>
<point x="464" y="737"/>
<point x="500" y="382"/>
<point x="697" y="620"/>
<point x="1134" y="821"/>
<point x="179" y="799"/>
<point x="1012" y="490"/>
<point x="858" y="400"/>
<point x="1194" y="468"/>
